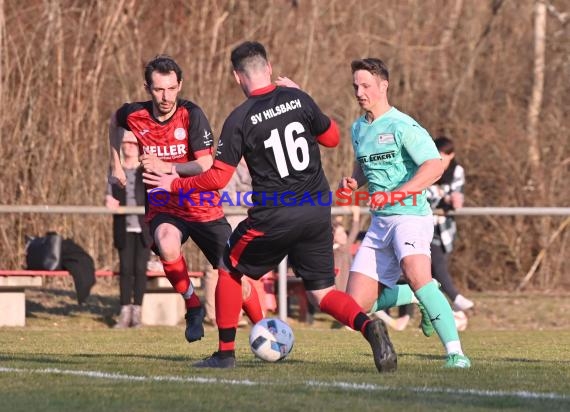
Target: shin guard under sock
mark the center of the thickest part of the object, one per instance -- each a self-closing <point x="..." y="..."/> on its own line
<point x="228" y="295"/>
<point x="228" y="306"/>
<point x="439" y="312"/>
<point x="397" y="295"/>
<point x="343" y="308"/>
<point x="176" y="272"/>
<point x="251" y="305"/>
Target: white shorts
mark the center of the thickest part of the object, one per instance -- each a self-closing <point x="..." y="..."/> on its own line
<point x="390" y="239"/>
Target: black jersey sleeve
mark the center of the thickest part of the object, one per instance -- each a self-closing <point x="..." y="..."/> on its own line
<point x="122" y="115"/>
<point x="231" y="144"/>
<point x="200" y="135"/>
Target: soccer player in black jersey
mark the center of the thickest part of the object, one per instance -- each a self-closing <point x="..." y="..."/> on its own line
<point x="278" y="130"/>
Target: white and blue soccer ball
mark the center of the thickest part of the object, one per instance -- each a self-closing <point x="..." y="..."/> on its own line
<point x="271" y="339"/>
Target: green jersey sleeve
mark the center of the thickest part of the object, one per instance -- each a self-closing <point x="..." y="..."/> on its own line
<point x="418" y="143"/>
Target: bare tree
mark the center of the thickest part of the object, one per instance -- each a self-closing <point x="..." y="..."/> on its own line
<point x="460" y="67"/>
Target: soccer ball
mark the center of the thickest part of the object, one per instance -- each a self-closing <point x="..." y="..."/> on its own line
<point x="460" y="320"/>
<point x="271" y="339"/>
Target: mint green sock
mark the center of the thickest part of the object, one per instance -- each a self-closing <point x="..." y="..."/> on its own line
<point x="439" y="312"/>
<point x="395" y="296"/>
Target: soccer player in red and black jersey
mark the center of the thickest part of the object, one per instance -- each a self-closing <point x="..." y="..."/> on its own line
<point x="278" y="130"/>
<point x="174" y="136"/>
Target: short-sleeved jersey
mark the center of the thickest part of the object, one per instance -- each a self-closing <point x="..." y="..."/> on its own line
<point x="390" y="151"/>
<point x="276" y="131"/>
<point x="184" y="137"/>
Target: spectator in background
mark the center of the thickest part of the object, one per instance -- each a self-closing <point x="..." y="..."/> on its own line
<point x="131" y="235"/>
<point x="445" y="195"/>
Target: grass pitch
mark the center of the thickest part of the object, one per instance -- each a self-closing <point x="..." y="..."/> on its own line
<point x="47" y="369"/>
<point x="68" y="359"/>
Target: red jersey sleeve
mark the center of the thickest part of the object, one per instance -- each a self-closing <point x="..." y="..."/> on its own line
<point x="215" y="178"/>
<point x="331" y="137"/>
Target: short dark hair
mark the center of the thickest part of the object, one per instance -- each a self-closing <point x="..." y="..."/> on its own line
<point x="246" y="53"/>
<point x="163" y="64"/>
<point x="372" y="65"/>
<point x="444" y="145"/>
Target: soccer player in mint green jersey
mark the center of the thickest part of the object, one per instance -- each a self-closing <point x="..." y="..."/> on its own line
<point x="399" y="161"/>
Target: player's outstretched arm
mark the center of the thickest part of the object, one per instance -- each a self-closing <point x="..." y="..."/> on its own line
<point x="217" y="177"/>
<point x="195" y="167"/>
<point x="152" y="164"/>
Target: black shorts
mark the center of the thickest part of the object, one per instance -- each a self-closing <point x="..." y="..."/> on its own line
<point x="210" y="237"/>
<point x="260" y="243"/>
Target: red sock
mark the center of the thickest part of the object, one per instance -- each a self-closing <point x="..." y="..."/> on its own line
<point x="193" y="301"/>
<point x="343" y="308"/>
<point x="228" y="306"/>
<point x="176" y="272"/>
<point x="252" y="306"/>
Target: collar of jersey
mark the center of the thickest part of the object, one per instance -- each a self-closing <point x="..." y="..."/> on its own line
<point x="364" y="120"/>
<point x="263" y="90"/>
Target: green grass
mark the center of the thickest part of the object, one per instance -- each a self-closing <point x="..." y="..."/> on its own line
<point x="74" y="367"/>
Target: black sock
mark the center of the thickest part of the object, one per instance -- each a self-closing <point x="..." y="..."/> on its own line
<point x="226" y="354"/>
<point x="360" y="320"/>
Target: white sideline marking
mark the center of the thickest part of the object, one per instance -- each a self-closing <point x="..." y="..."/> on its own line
<point x="474" y="392"/>
<point x="134" y="378"/>
<point x="350" y="386"/>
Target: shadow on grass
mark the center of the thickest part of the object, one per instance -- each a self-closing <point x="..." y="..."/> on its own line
<point x="52" y="359"/>
<point x="169" y="358"/>
<point x="64" y="303"/>
<point x="55" y="359"/>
